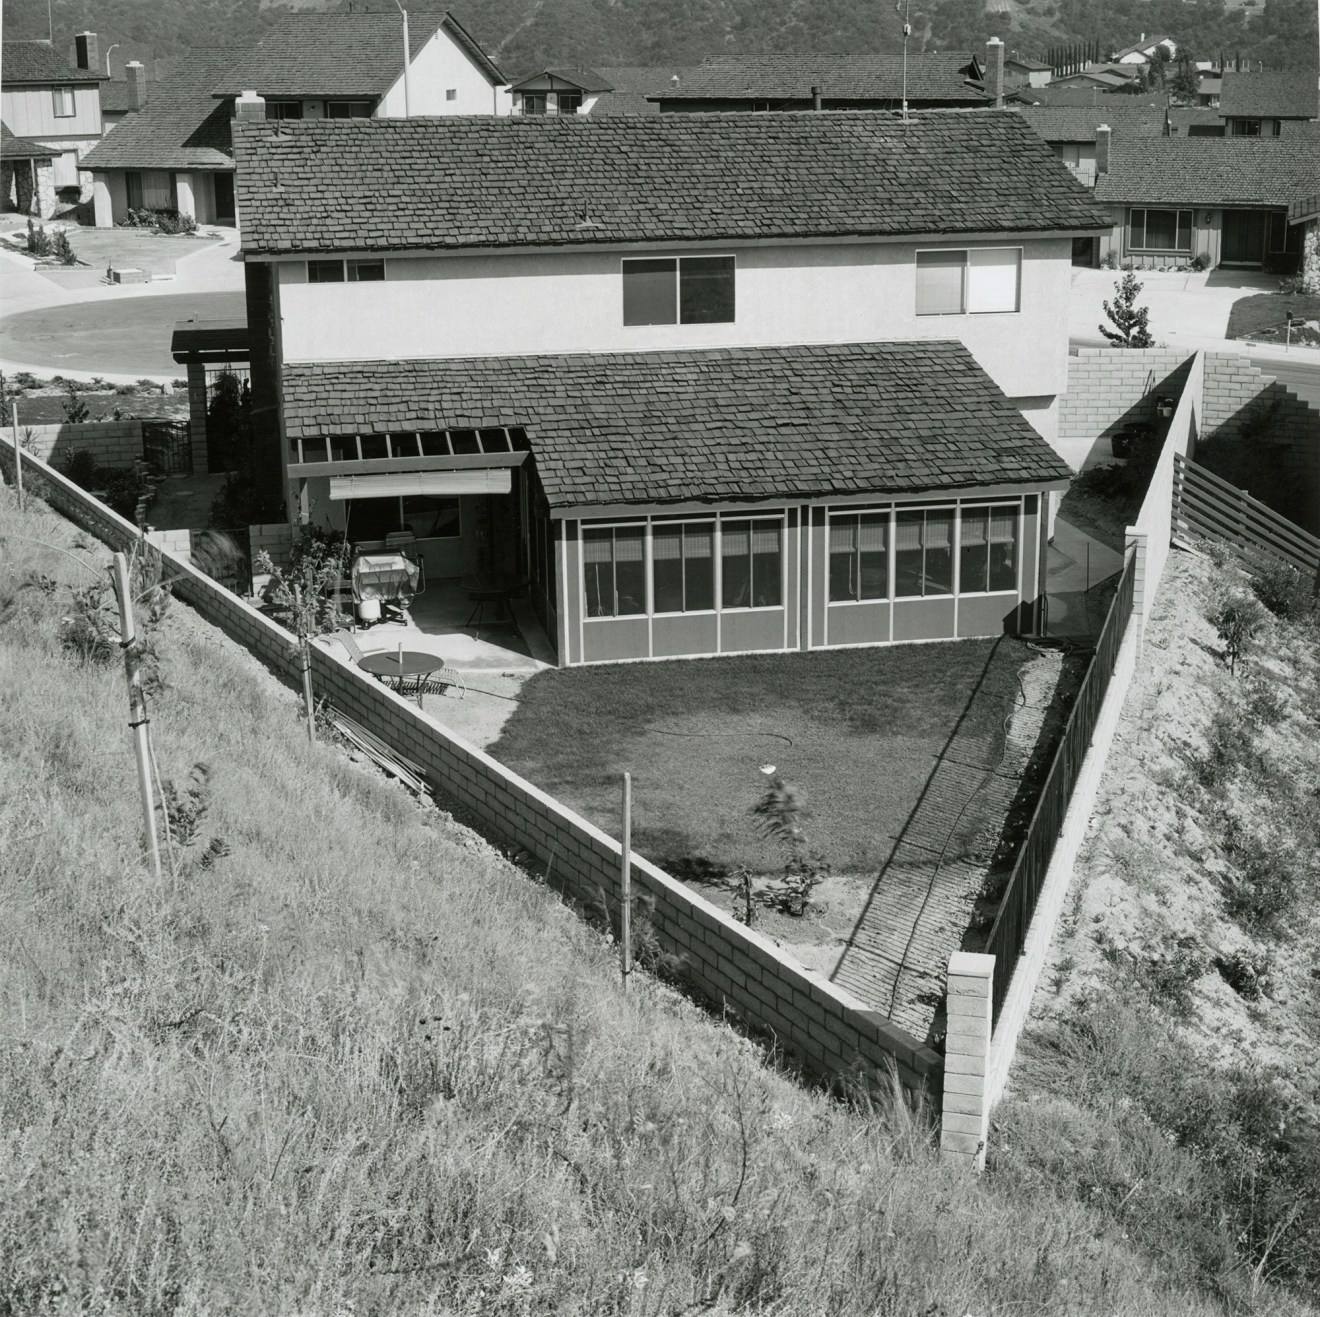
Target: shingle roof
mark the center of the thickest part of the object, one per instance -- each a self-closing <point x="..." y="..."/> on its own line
<point x="940" y="77"/>
<point x="181" y="126"/>
<point x="20" y="148"/>
<point x="1023" y="62"/>
<point x="116" y="97"/>
<point x="1272" y="95"/>
<point x="1186" y="117"/>
<point x="1077" y="123"/>
<point x="586" y="79"/>
<point x="1056" y="94"/>
<point x="382" y="184"/>
<point x="622" y="102"/>
<point x="1304" y="208"/>
<point x="340" y="54"/>
<point x="1211" y="171"/>
<point x="1142" y="46"/>
<point x="36" y="61"/>
<point x="645" y="79"/>
<point x="728" y="423"/>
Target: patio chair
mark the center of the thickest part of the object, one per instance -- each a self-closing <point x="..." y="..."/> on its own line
<point x="439" y="682"/>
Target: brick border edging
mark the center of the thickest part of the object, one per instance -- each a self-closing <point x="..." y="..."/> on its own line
<point x="824" y="1028"/>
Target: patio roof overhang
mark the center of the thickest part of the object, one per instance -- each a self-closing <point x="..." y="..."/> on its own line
<point x="488" y="480"/>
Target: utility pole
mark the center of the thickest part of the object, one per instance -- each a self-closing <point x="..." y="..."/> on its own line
<point x="407" y="59"/>
<point x="137" y="706"/>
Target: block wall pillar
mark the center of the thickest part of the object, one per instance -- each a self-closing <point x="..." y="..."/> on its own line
<point x="965" y="1121"/>
<point x="197" y="416"/>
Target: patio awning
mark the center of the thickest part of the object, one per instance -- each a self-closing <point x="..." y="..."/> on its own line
<point x="488" y="480"/>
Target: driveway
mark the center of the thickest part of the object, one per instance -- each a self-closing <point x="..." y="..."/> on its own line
<point x="71" y="323"/>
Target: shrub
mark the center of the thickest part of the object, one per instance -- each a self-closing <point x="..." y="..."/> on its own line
<point x="1237" y="621"/>
<point x="123" y="489"/>
<point x="1228" y="743"/>
<point x="81" y="469"/>
<point x="1266" y="885"/>
<point x="75" y="410"/>
<point x="1169" y="973"/>
<point x="1286" y="592"/>
<point x="38" y="240"/>
<point x="62" y="249"/>
<point x="1248" y="973"/>
<point x="1110" y="481"/>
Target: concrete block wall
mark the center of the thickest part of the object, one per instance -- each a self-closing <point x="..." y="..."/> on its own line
<point x="827" y="1030"/>
<point x="177" y="542"/>
<point x="965" y="1128"/>
<point x="275" y="538"/>
<point x="197" y="415"/>
<point x="1262" y="437"/>
<point x="1109" y="388"/>
<point x="111" y="443"/>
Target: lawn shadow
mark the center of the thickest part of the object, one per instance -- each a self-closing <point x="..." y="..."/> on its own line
<point x="865" y="941"/>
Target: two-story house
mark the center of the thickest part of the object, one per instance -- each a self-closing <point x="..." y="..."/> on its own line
<point x="47" y="102"/>
<point x="176" y="151"/>
<point x="1269" y="104"/>
<point x="712" y="383"/>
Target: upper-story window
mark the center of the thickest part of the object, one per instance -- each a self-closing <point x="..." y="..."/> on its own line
<point x="346" y="110"/>
<point x="1254" y="128"/>
<point x="533" y="102"/>
<point x="978" y="281"/>
<point x="284" y="110"/>
<point x="686" y="290"/>
<point x="570" y="102"/>
<point x="338" y="272"/>
<point x="65" y="105"/>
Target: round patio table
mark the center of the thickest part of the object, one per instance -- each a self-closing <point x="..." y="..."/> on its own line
<point x="402" y="664"/>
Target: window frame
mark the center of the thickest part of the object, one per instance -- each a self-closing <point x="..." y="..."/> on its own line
<point x="966" y="253"/>
<point x="1177" y="212"/>
<point x="613" y="527"/>
<point x="574" y="96"/>
<point x="955" y="549"/>
<point x="284" y="109"/>
<point x="349" y="269"/>
<point x="350" y="105"/>
<point x="62" y="96"/>
<point x="650" y="559"/>
<point x="849" y="513"/>
<point x="1018" y="537"/>
<point x="678" y="262"/>
<point x="536" y="96"/>
<point x="781" y="517"/>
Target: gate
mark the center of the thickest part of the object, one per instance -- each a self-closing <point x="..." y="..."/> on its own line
<point x="167" y="445"/>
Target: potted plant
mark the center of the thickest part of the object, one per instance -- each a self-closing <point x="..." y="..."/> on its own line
<point x="1120" y="443"/>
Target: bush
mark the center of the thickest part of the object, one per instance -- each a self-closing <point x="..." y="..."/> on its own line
<point x="62" y="249"/>
<point x="123" y="489"/>
<point x="1248" y="973"/>
<point x="1237" y="620"/>
<point x="38" y="240"/>
<point x="75" y="410"/>
<point x="1287" y="593"/>
<point x="1267" y="884"/>
<point x="81" y="468"/>
<point x="163" y="219"/>
<point x="1110" y="481"/>
<point x="1170" y="971"/>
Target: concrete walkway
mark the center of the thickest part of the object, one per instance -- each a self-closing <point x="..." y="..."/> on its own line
<point x="1075" y="564"/>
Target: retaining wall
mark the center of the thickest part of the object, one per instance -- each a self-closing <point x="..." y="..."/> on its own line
<point x="824" y="1028"/>
<point x="111" y="443"/>
<point x="1110" y="388"/>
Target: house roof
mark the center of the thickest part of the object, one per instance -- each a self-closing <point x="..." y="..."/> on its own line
<point x="646" y="79"/>
<point x="467" y="182"/>
<point x="715" y="424"/>
<point x="1070" y="94"/>
<point x="340" y="54"/>
<point x="1211" y="171"/>
<point x="1143" y="46"/>
<point x="20" y="148"/>
<point x="1186" y="117"/>
<point x="1021" y="62"/>
<point x="37" y="62"/>
<point x="1304" y="208"/>
<point x="587" y="80"/>
<point x="941" y="77"/>
<point x="181" y="126"/>
<point x="1292" y="95"/>
<point x="623" y="102"/>
<point x="1077" y="123"/>
<point x="116" y="96"/>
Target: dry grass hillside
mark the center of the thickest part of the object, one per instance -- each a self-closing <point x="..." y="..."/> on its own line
<point x="1169" y="1066"/>
<point x="344" y="1057"/>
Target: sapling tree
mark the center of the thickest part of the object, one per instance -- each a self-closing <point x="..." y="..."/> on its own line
<point x="305" y="595"/>
<point x="1131" y="322"/>
<point x="1238" y="621"/>
<point x="782" y="812"/>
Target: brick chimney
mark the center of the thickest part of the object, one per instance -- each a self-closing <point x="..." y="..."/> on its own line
<point x="250" y="106"/>
<point x="87" y="52"/>
<point x="1102" y="149"/>
<point x="994" y="70"/>
<point x="136" y="77"/>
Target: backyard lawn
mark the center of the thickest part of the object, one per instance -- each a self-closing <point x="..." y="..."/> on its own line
<point x="1265" y="315"/>
<point x="855" y="731"/>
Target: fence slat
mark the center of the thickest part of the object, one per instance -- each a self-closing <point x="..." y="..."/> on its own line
<point x="1009" y="932"/>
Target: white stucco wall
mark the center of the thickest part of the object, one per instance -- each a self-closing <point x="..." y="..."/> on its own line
<point x="510" y="305"/>
<point x="440" y="66"/>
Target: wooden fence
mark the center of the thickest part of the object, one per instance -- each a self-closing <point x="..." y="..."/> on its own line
<point x="1206" y="504"/>
<point x="1009" y="933"/>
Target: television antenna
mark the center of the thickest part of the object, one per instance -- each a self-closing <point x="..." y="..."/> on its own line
<point x="904" y="7"/>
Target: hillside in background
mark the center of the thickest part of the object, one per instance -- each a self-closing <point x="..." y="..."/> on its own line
<point x="526" y="34"/>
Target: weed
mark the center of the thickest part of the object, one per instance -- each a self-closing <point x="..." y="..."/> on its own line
<point x="782" y="814"/>
<point x="1267" y="882"/>
<point x="1266" y="704"/>
<point x="1170" y="971"/>
<point x="184" y="807"/>
<point x="1287" y="592"/>
<point x="1248" y="973"/>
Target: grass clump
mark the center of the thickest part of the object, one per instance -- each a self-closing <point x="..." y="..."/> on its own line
<point x="356" y="1061"/>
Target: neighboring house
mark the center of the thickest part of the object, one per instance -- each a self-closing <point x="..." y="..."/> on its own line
<point x="1226" y="201"/>
<point x="1022" y="72"/>
<point x="1305" y="214"/>
<point x="564" y="90"/>
<point x="1209" y="88"/>
<point x="176" y="152"/>
<point x="1268" y="104"/>
<point x="27" y="175"/>
<point x="1104" y="77"/>
<point x="1194" y="121"/>
<point x="1148" y="50"/>
<point x="712" y="384"/>
<point x="45" y="100"/>
<point x="124" y="96"/>
<point x="949" y="79"/>
<point x="1071" y="130"/>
